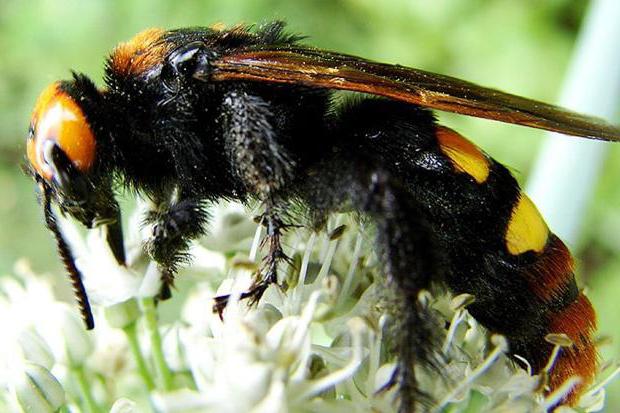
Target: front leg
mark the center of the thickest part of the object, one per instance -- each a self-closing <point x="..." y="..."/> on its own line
<point x="176" y="221"/>
<point x="263" y="165"/>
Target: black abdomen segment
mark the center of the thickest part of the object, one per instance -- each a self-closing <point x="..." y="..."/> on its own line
<point x="500" y="250"/>
<point x="491" y="240"/>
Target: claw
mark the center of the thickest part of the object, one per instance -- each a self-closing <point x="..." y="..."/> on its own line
<point x="254" y="294"/>
<point x="268" y="275"/>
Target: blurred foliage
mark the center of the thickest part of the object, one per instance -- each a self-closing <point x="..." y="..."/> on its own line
<point x="521" y="47"/>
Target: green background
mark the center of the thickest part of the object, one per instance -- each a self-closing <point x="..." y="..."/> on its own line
<point x="518" y="46"/>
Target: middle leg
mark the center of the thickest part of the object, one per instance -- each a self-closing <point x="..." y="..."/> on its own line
<point x="264" y="167"/>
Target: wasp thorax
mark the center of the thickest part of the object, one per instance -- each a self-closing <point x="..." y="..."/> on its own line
<point x="59" y="122"/>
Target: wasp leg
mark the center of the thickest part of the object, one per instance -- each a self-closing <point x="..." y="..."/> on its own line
<point x="405" y="247"/>
<point x="268" y="273"/>
<point x="264" y="167"/>
<point x="405" y="242"/>
<point x="175" y="223"/>
<point x="356" y="176"/>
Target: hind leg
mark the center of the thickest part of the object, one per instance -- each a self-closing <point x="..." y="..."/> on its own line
<point x="405" y="246"/>
<point x="377" y="158"/>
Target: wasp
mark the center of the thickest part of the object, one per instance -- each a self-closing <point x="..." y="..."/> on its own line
<point x="191" y="116"/>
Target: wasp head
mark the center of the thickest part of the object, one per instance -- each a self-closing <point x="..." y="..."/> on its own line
<point x="62" y="157"/>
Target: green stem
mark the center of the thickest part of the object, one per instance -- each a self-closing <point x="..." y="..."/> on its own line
<point x="161" y="368"/>
<point x="131" y="331"/>
<point x="90" y="406"/>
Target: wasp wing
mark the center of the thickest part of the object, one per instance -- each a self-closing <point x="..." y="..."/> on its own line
<point x="324" y="69"/>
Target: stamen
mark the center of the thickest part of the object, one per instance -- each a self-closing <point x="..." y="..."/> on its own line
<point x="459" y="315"/>
<point x="561" y="392"/>
<point x="595" y="389"/>
<point x="501" y="346"/>
<point x="255" y="243"/>
<point x="348" y="281"/>
<point x="317" y="387"/>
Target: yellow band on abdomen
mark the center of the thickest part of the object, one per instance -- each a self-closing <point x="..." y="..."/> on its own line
<point x="527" y="230"/>
<point x="465" y="156"/>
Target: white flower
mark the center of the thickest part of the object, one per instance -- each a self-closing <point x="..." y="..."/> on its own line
<point x="36" y="389"/>
<point x="316" y="345"/>
<point x="24" y="299"/>
<point x="122" y="314"/>
<point x="230" y="228"/>
<point x="25" y="302"/>
<point x="124" y="405"/>
<point x="34" y="348"/>
<point x="106" y="282"/>
<point x="64" y="331"/>
<point x="110" y="357"/>
<point x="242" y="369"/>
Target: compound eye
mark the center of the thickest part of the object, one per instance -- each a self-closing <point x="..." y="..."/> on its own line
<point x="57" y="120"/>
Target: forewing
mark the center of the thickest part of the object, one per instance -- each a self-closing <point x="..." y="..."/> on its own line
<point x="319" y="68"/>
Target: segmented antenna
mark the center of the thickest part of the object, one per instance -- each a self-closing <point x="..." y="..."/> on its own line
<point x="67" y="258"/>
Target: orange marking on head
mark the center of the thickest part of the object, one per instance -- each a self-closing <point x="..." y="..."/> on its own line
<point x="57" y="118"/>
<point x="527" y="230"/>
<point x="577" y="321"/>
<point x="465" y="156"/>
<point x="143" y="52"/>
<point x="551" y="273"/>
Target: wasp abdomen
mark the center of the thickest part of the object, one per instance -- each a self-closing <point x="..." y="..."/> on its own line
<point x="519" y="271"/>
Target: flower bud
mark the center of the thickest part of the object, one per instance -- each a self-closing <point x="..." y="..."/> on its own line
<point x="37" y="390"/>
<point x="122" y="314"/>
<point x="35" y="349"/>
<point x="124" y="405"/>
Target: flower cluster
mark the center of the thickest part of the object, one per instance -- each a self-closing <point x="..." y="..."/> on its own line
<point x="315" y="344"/>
